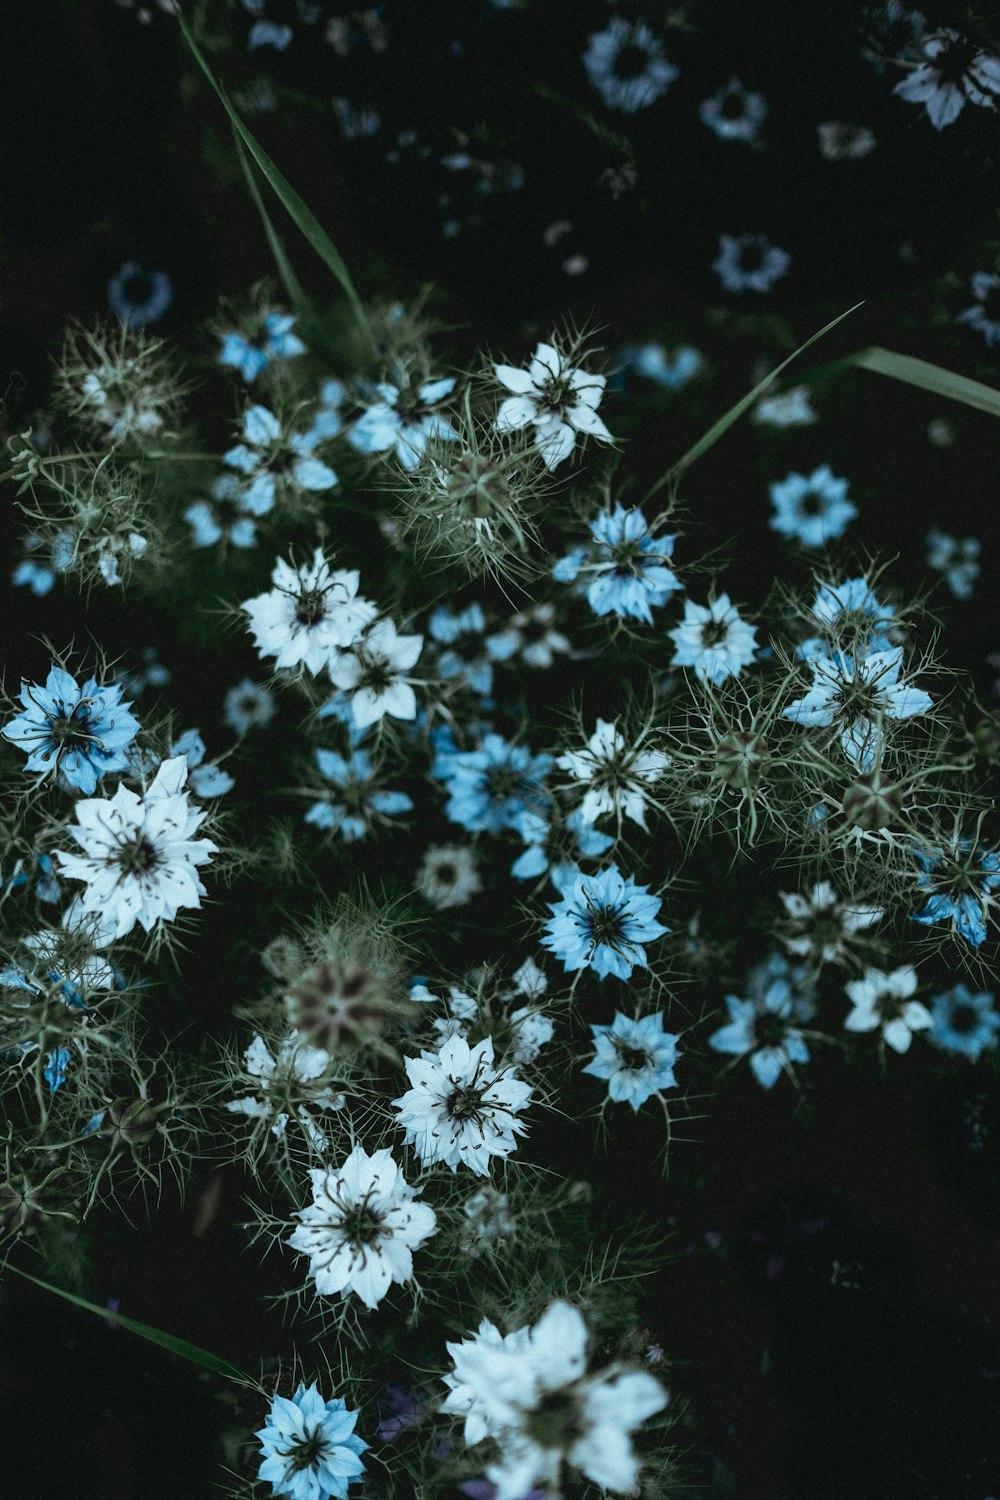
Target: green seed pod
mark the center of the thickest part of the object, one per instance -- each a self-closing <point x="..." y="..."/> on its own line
<point x="871" y="802"/>
<point x="986" y="738"/>
<point x="132" y="1120"/>
<point x="741" y="758"/>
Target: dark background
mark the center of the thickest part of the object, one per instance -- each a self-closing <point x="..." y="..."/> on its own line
<point x="835" y="1304"/>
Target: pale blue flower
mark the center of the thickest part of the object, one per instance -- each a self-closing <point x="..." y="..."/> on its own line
<point x="962" y="880"/>
<point x="626" y="65"/>
<point x="251" y="354"/>
<point x="623" y="569"/>
<point x="964" y="1022"/>
<point x="813" y="508"/>
<point x="81" y="732"/>
<point x="955" y="70"/>
<point x="538" y="856"/>
<point x="269" y="456"/>
<point x="310" y="1448"/>
<point x="206" y="779"/>
<point x="849" y="611"/>
<point x="857" y="695"/>
<point x="635" y="1056"/>
<point x="466" y="654"/>
<point x="137" y="297"/>
<point x="749" y="263"/>
<point x="602" y="923"/>
<point x="763" y="1029"/>
<point x="56" y="1068"/>
<point x="495" y="786"/>
<point x="957" y="559"/>
<point x="984" y="315"/>
<point x="357" y="803"/>
<point x="405" y="421"/>
<point x="735" y="113"/>
<point x="222" y="517"/>
<point x="672" y="371"/>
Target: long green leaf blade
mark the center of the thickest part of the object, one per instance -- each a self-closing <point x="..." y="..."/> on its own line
<point x="299" y="211"/>
<point x="722" y="426"/>
<point x="928" y="377"/>
<point x="169" y="1341"/>
<point x="735" y="413"/>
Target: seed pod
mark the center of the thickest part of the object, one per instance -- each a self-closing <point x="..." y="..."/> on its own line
<point x="741" y="758"/>
<point x="871" y="802"/>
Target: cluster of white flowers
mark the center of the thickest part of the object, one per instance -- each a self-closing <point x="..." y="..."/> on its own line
<point x="314" y="618"/>
<point x="529" y="1391"/>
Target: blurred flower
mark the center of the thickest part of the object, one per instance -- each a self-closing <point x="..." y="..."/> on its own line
<point x="984" y="315"/>
<point x="964" y="1022"/>
<point x="813" y="508"/>
<point x="735" y="113"/>
<point x="713" y="640"/>
<point x="957" y="560"/>
<point x="884" y="1002"/>
<point x="749" y="263"/>
<point x="137" y="297"/>
<point x="956" y="69"/>
<point x="626" y="65"/>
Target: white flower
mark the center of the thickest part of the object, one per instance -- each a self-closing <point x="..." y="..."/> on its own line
<point x="857" y="694"/>
<point x="957" y="69"/>
<point x="461" y="1107"/>
<point x="529" y="1392"/>
<point x="117" y="548"/>
<point x="310" y="615"/>
<point x="559" y="402"/>
<point x="286" y="1084"/>
<point x="713" y="640"/>
<point x="822" y="925"/>
<point x="531" y="1032"/>
<point x="530" y="980"/>
<point x="619" y="775"/>
<point x="463" y="1398"/>
<point x="373" y="674"/>
<point x="840" y="142"/>
<point x="362" y="1227"/>
<point x="789" y="409"/>
<point x="883" y="1001"/>
<point x="139" y="856"/>
<point x="448" y="876"/>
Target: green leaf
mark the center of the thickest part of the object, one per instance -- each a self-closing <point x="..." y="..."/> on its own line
<point x="167" y="1341"/>
<point x="298" y="210"/>
<point x="722" y="426"/>
<point x="928" y="377"/>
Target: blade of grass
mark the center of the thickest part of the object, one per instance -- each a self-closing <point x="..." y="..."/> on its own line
<point x="928" y="377"/>
<point x="298" y="210"/>
<point x="169" y="1341"/>
<point x="722" y="426"/>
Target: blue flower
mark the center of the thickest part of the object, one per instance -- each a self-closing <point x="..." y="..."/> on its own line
<point x="957" y="559"/>
<point x="749" y="263"/>
<point x="636" y="1057"/>
<point x="602" y="923"/>
<point x="404" y="420"/>
<point x="764" y="1029"/>
<point x="623" y="570"/>
<point x="536" y="859"/>
<point x="494" y="787"/>
<point x="673" y="372"/>
<point x="849" y="610"/>
<point x="81" y="732"/>
<point x="798" y="980"/>
<point x="735" y="113"/>
<point x="139" y="297"/>
<point x="268" y="456"/>
<point x="310" y="1448"/>
<point x="467" y="654"/>
<point x="626" y="65"/>
<point x="360" y="804"/>
<point x="251" y="354"/>
<point x="963" y="880"/>
<point x="964" y="1022"/>
<point x="814" y="507"/>
<point x="56" y="1066"/>
<point x="984" y="315"/>
<point x="47" y="887"/>
<point x="222" y="517"/>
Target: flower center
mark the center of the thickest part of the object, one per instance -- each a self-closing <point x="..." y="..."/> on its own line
<point x="631" y="62"/>
<point x="555" y="1422"/>
<point x="605" y="925"/>
<point x="361" y="1225"/>
<point x="632" y="1058"/>
<point x="305" y="1455"/>
<point x="138" y="857"/>
<point x="769" y="1029"/>
<point x="811" y="503"/>
<point x="465" y="1103"/>
<point x="714" y="632"/>
<point x="310" y="607"/>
